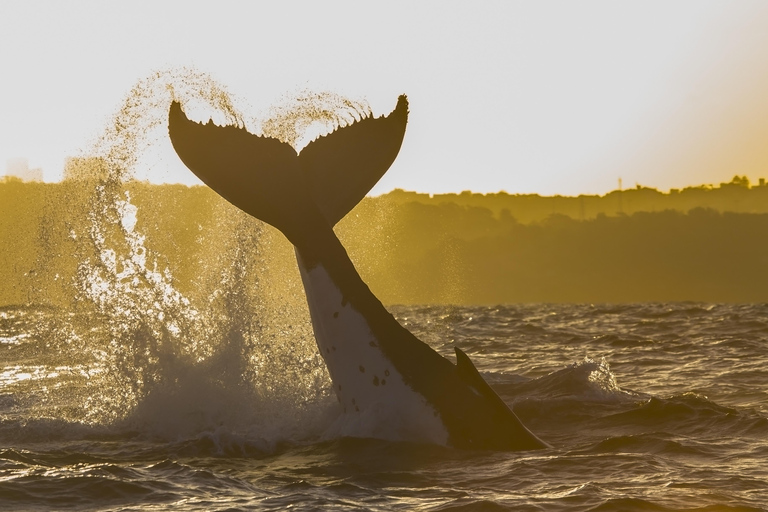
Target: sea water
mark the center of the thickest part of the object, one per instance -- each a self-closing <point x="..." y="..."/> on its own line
<point x="646" y="406"/>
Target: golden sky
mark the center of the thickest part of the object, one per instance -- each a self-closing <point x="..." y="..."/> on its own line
<point x="548" y="97"/>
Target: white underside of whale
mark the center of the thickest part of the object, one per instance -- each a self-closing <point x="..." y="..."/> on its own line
<point x="375" y="400"/>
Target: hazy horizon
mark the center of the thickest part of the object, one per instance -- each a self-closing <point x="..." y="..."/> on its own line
<point x="7" y="174"/>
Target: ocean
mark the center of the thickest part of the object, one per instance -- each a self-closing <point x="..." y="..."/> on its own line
<point x="646" y="406"/>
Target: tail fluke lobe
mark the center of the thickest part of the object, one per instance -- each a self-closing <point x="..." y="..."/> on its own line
<point x="341" y="167"/>
<point x="267" y="179"/>
<point x="259" y="175"/>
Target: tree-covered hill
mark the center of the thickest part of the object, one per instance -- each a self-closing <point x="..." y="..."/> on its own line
<point x="699" y="244"/>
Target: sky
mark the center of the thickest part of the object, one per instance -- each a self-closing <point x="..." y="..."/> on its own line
<point x="547" y="97"/>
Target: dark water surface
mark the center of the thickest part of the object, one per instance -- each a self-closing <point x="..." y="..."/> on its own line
<point x="646" y="406"/>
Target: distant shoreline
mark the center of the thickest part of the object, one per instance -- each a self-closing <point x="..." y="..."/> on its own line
<point x="705" y="244"/>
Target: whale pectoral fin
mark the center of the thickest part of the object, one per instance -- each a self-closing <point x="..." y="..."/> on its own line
<point x="341" y="167"/>
<point x="471" y="377"/>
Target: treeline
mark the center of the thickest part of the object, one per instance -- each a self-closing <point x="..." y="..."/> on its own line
<point x="736" y="196"/>
<point x="428" y="255"/>
<point x="425" y="251"/>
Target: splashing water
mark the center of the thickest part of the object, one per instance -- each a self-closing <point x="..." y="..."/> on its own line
<point x="301" y="118"/>
<point x="215" y="337"/>
<point x="141" y="119"/>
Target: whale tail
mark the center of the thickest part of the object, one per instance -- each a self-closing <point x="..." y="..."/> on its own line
<point x="304" y="195"/>
<point x="269" y="180"/>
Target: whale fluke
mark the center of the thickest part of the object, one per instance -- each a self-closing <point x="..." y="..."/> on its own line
<point x="267" y="179"/>
<point x="377" y="366"/>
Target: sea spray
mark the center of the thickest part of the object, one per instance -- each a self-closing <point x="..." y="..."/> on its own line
<point x="301" y="117"/>
<point x="231" y="354"/>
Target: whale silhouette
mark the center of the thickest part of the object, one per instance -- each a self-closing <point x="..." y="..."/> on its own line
<point x="377" y="366"/>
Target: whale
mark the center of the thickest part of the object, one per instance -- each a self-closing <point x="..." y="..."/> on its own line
<point x="378" y="368"/>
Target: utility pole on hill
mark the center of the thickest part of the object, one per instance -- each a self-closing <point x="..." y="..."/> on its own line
<point x="621" y="207"/>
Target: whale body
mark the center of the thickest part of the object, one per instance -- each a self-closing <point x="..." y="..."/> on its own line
<point x="377" y="366"/>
